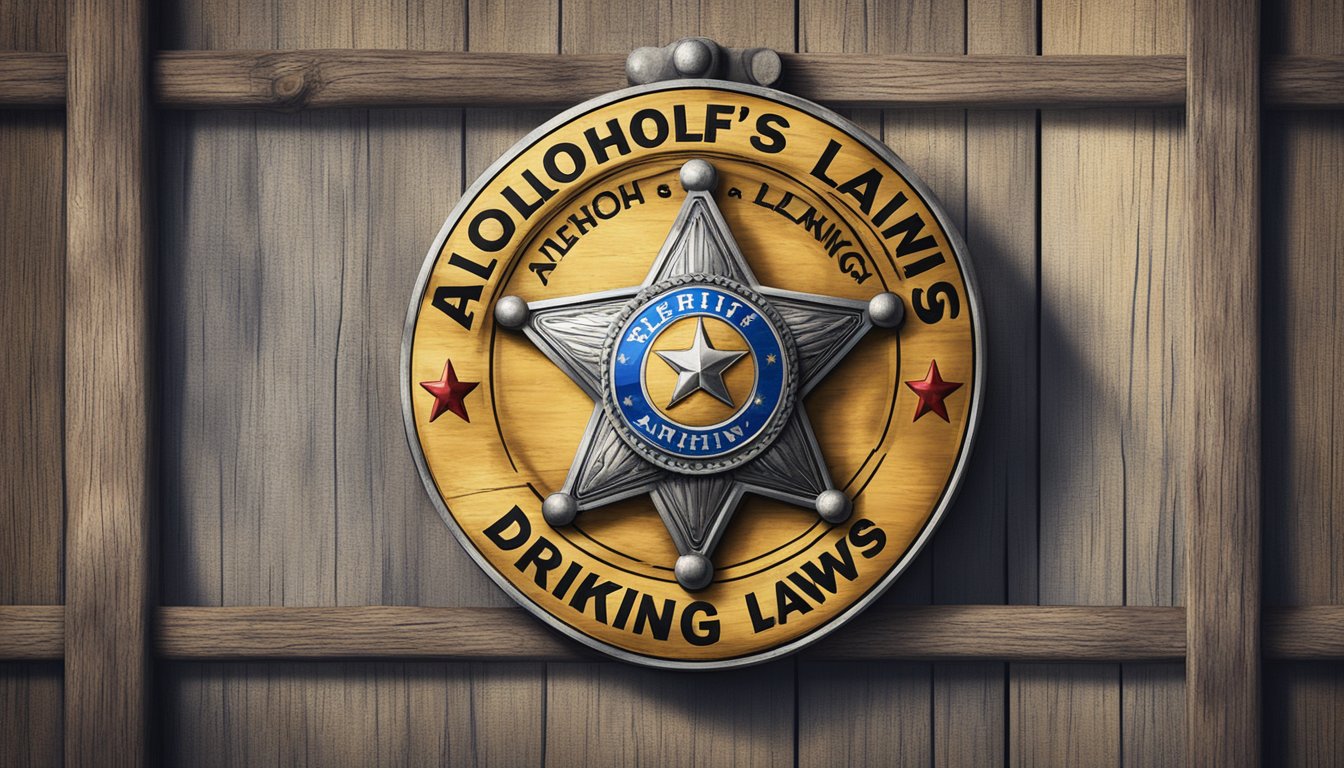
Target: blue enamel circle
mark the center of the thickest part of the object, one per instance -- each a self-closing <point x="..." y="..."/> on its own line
<point x="659" y="430"/>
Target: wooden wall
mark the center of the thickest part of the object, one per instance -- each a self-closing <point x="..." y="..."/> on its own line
<point x="287" y="248"/>
<point x="32" y="311"/>
<point x="1303" y="358"/>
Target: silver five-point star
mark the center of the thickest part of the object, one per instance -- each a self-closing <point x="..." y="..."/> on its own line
<point x="696" y="501"/>
<point x="700" y="368"/>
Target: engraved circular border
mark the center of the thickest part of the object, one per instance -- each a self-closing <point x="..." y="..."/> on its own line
<point x="953" y="486"/>
<point x="763" y="439"/>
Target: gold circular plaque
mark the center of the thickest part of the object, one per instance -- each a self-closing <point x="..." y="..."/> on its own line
<point x="693" y="371"/>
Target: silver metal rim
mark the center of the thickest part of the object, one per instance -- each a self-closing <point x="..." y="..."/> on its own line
<point x="972" y="425"/>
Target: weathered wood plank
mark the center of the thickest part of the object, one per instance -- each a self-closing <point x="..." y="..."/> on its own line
<point x="1303" y="360"/>
<point x="999" y="493"/>
<point x="30" y="731"/>
<point x="1112" y="334"/>
<point x="892" y="632"/>
<point x="409" y="714"/>
<point x="109" y="497"/>
<point x="385" y="78"/>
<point x="342" y="78"/>
<point x="1305" y="632"/>
<point x="32" y="259"/>
<point x="293" y="242"/>
<point x="1223" y="534"/>
<point x="30" y="79"/>
<point x="32" y="256"/>
<point x="32" y="632"/>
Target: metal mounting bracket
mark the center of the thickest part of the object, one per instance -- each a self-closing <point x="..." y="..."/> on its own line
<point x="700" y="57"/>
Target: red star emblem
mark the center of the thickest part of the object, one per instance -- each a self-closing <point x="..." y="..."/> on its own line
<point x="449" y="393"/>
<point x="931" y="392"/>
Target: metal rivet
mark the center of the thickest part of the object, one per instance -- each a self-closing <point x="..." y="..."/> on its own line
<point x="512" y="312"/>
<point x="698" y="176"/>
<point x="886" y="310"/>
<point x="692" y="58"/>
<point x="559" y="509"/>
<point x="694" y="571"/>
<point x="833" y="506"/>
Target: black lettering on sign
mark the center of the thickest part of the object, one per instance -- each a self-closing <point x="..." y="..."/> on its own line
<point x="576" y="161"/>
<point x="942" y="297"/>
<point x="485" y="242"/>
<point x="705" y="632"/>
<point x="615" y="138"/>
<point x="681" y="132"/>
<point x="544" y="556"/>
<point x="658" y="622"/>
<point x="524" y="208"/>
<point x="454" y="300"/>
<point x="717" y="117"/>
<point x="644" y="121"/>
<point x="769" y="139"/>
<point x="498" y="532"/>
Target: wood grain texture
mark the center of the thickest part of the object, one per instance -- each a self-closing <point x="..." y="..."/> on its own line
<point x="895" y="632"/>
<point x="292" y="244"/>
<point x="109" y="498"/>
<point x="1304" y="703"/>
<point x="1112" y="333"/>
<point x="333" y="78"/>
<point x="32" y="256"/>
<point x="32" y="259"/>
<point x="32" y="79"/>
<point x="32" y="632"/>
<point x="1223" y="537"/>
<point x="30" y="731"/>
<point x="1303" y="359"/>
<point x="1305" y="632"/>
<point x="407" y="714"/>
<point x="608" y="714"/>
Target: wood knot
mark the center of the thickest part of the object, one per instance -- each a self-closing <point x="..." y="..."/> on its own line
<point x="290" y="87"/>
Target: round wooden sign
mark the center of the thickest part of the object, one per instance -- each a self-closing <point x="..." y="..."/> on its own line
<point x="693" y="372"/>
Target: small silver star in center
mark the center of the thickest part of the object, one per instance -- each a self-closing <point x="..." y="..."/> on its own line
<point x="701" y="368"/>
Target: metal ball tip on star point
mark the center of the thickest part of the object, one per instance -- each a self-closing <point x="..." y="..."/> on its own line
<point x="699" y="176"/>
<point x="694" y="571"/>
<point x="559" y="509"/>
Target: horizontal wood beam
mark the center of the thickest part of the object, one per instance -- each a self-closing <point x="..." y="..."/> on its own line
<point x="32" y="632"/>
<point x="1017" y="633"/>
<point x="29" y="79"/>
<point x="1306" y="633"/>
<point x="287" y="80"/>
<point x="1005" y="632"/>
<point x="1303" y="82"/>
<point x="345" y="78"/>
<point x="401" y="632"/>
<point x="848" y="80"/>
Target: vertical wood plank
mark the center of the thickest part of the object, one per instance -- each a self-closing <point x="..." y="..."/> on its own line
<point x="107" y="414"/>
<point x="1223" y="540"/>
<point x="408" y="714"/>
<point x="32" y="315"/>
<point x="1000" y="493"/>
<point x="608" y="714"/>
<point x="1112" y="335"/>
<point x="294" y="242"/>
<point x="32" y="258"/>
<point x="1303" y="361"/>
